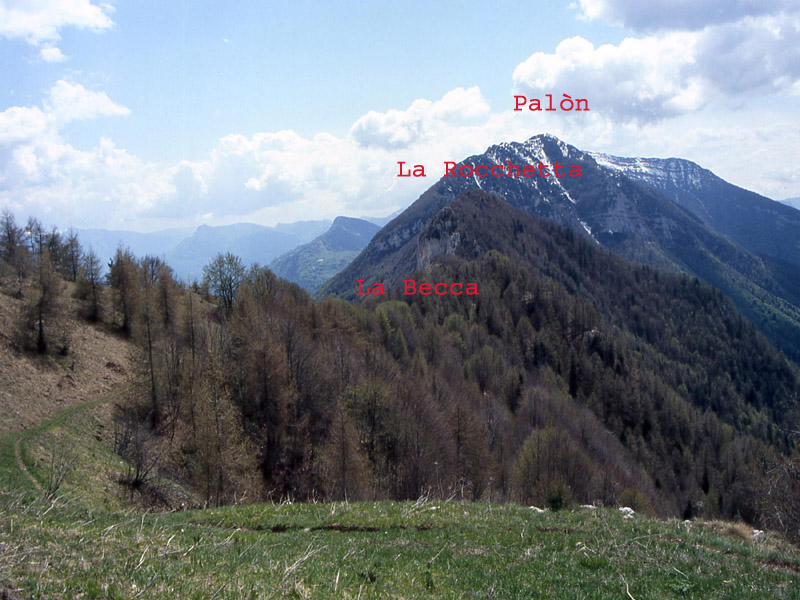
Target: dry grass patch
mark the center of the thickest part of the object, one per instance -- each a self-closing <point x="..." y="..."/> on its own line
<point x="33" y="387"/>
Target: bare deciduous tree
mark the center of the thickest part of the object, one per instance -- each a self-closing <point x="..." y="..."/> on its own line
<point x="42" y="327"/>
<point x="89" y="285"/>
<point x="224" y="275"/>
<point x="344" y="463"/>
<point x="122" y="277"/>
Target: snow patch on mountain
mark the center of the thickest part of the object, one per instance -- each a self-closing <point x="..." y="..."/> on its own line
<point x="674" y="171"/>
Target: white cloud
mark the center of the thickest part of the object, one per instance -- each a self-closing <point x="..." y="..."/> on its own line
<point x="73" y="102"/>
<point x="677" y="14"/>
<point x="647" y="79"/>
<point x="52" y="54"/>
<point x="274" y="176"/>
<point x="265" y="177"/>
<point x="43" y="175"/>
<point x="752" y="55"/>
<point x="22" y="123"/>
<point x="103" y="186"/>
<point x="283" y="176"/>
<point x="66" y="102"/>
<point x="397" y="129"/>
<point x="638" y="80"/>
<point x="716" y="82"/>
<point x="39" y="21"/>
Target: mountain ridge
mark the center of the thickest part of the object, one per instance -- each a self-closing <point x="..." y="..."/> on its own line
<point x="568" y="308"/>
<point x="763" y="226"/>
<point x="312" y="264"/>
<point x="629" y="217"/>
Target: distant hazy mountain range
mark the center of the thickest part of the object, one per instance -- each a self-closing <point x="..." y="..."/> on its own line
<point x="188" y="250"/>
<point x="793" y="202"/>
<point x="381" y="221"/>
<point x="105" y="241"/>
<point x="668" y="213"/>
<point x="312" y="264"/>
<point x="252" y="243"/>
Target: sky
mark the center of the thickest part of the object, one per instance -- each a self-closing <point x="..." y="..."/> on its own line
<point x="146" y="115"/>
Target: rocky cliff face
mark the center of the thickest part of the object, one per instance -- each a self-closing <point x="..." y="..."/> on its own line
<point x="443" y="236"/>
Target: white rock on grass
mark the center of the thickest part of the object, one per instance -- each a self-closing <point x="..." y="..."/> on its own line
<point x="536" y="509"/>
<point x="627" y="512"/>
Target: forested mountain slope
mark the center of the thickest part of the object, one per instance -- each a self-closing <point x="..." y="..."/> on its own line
<point x="634" y="220"/>
<point x="312" y="264"/>
<point x="572" y="376"/>
<point x="562" y="304"/>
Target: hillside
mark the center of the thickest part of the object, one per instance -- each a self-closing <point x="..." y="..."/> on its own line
<point x="314" y="263"/>
<point x="573" y="377"/>
<point x="33" y="388"/>
<point x="651" y="380"/>
<point x="569" y="291"/>
<point x="637" y="221"/>
<point x="97" y="541"/>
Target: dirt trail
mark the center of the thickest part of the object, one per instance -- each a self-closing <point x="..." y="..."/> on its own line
<point x="21" y="464"/>
<point x="52" y="421"/>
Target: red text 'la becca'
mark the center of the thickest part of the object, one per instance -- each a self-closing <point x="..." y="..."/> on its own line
<point x="411" y="288"/>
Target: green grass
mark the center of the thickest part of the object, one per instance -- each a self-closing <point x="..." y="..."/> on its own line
<point x="87" y="545"/>
<point x="70" y="433"/>
<point x="380" y="550"/>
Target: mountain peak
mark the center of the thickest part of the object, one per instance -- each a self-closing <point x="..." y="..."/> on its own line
<point x="313" y="263"/>
<point x="347" y="221"/>
<point x="542" y="137"/>
<point x="669" y="213"/>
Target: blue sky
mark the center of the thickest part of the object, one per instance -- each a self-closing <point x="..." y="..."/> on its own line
<point x="144" y="115"/>
<point x="196" y="73"/>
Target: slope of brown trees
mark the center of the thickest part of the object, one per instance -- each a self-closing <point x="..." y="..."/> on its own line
<point x="572" y="377"/>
